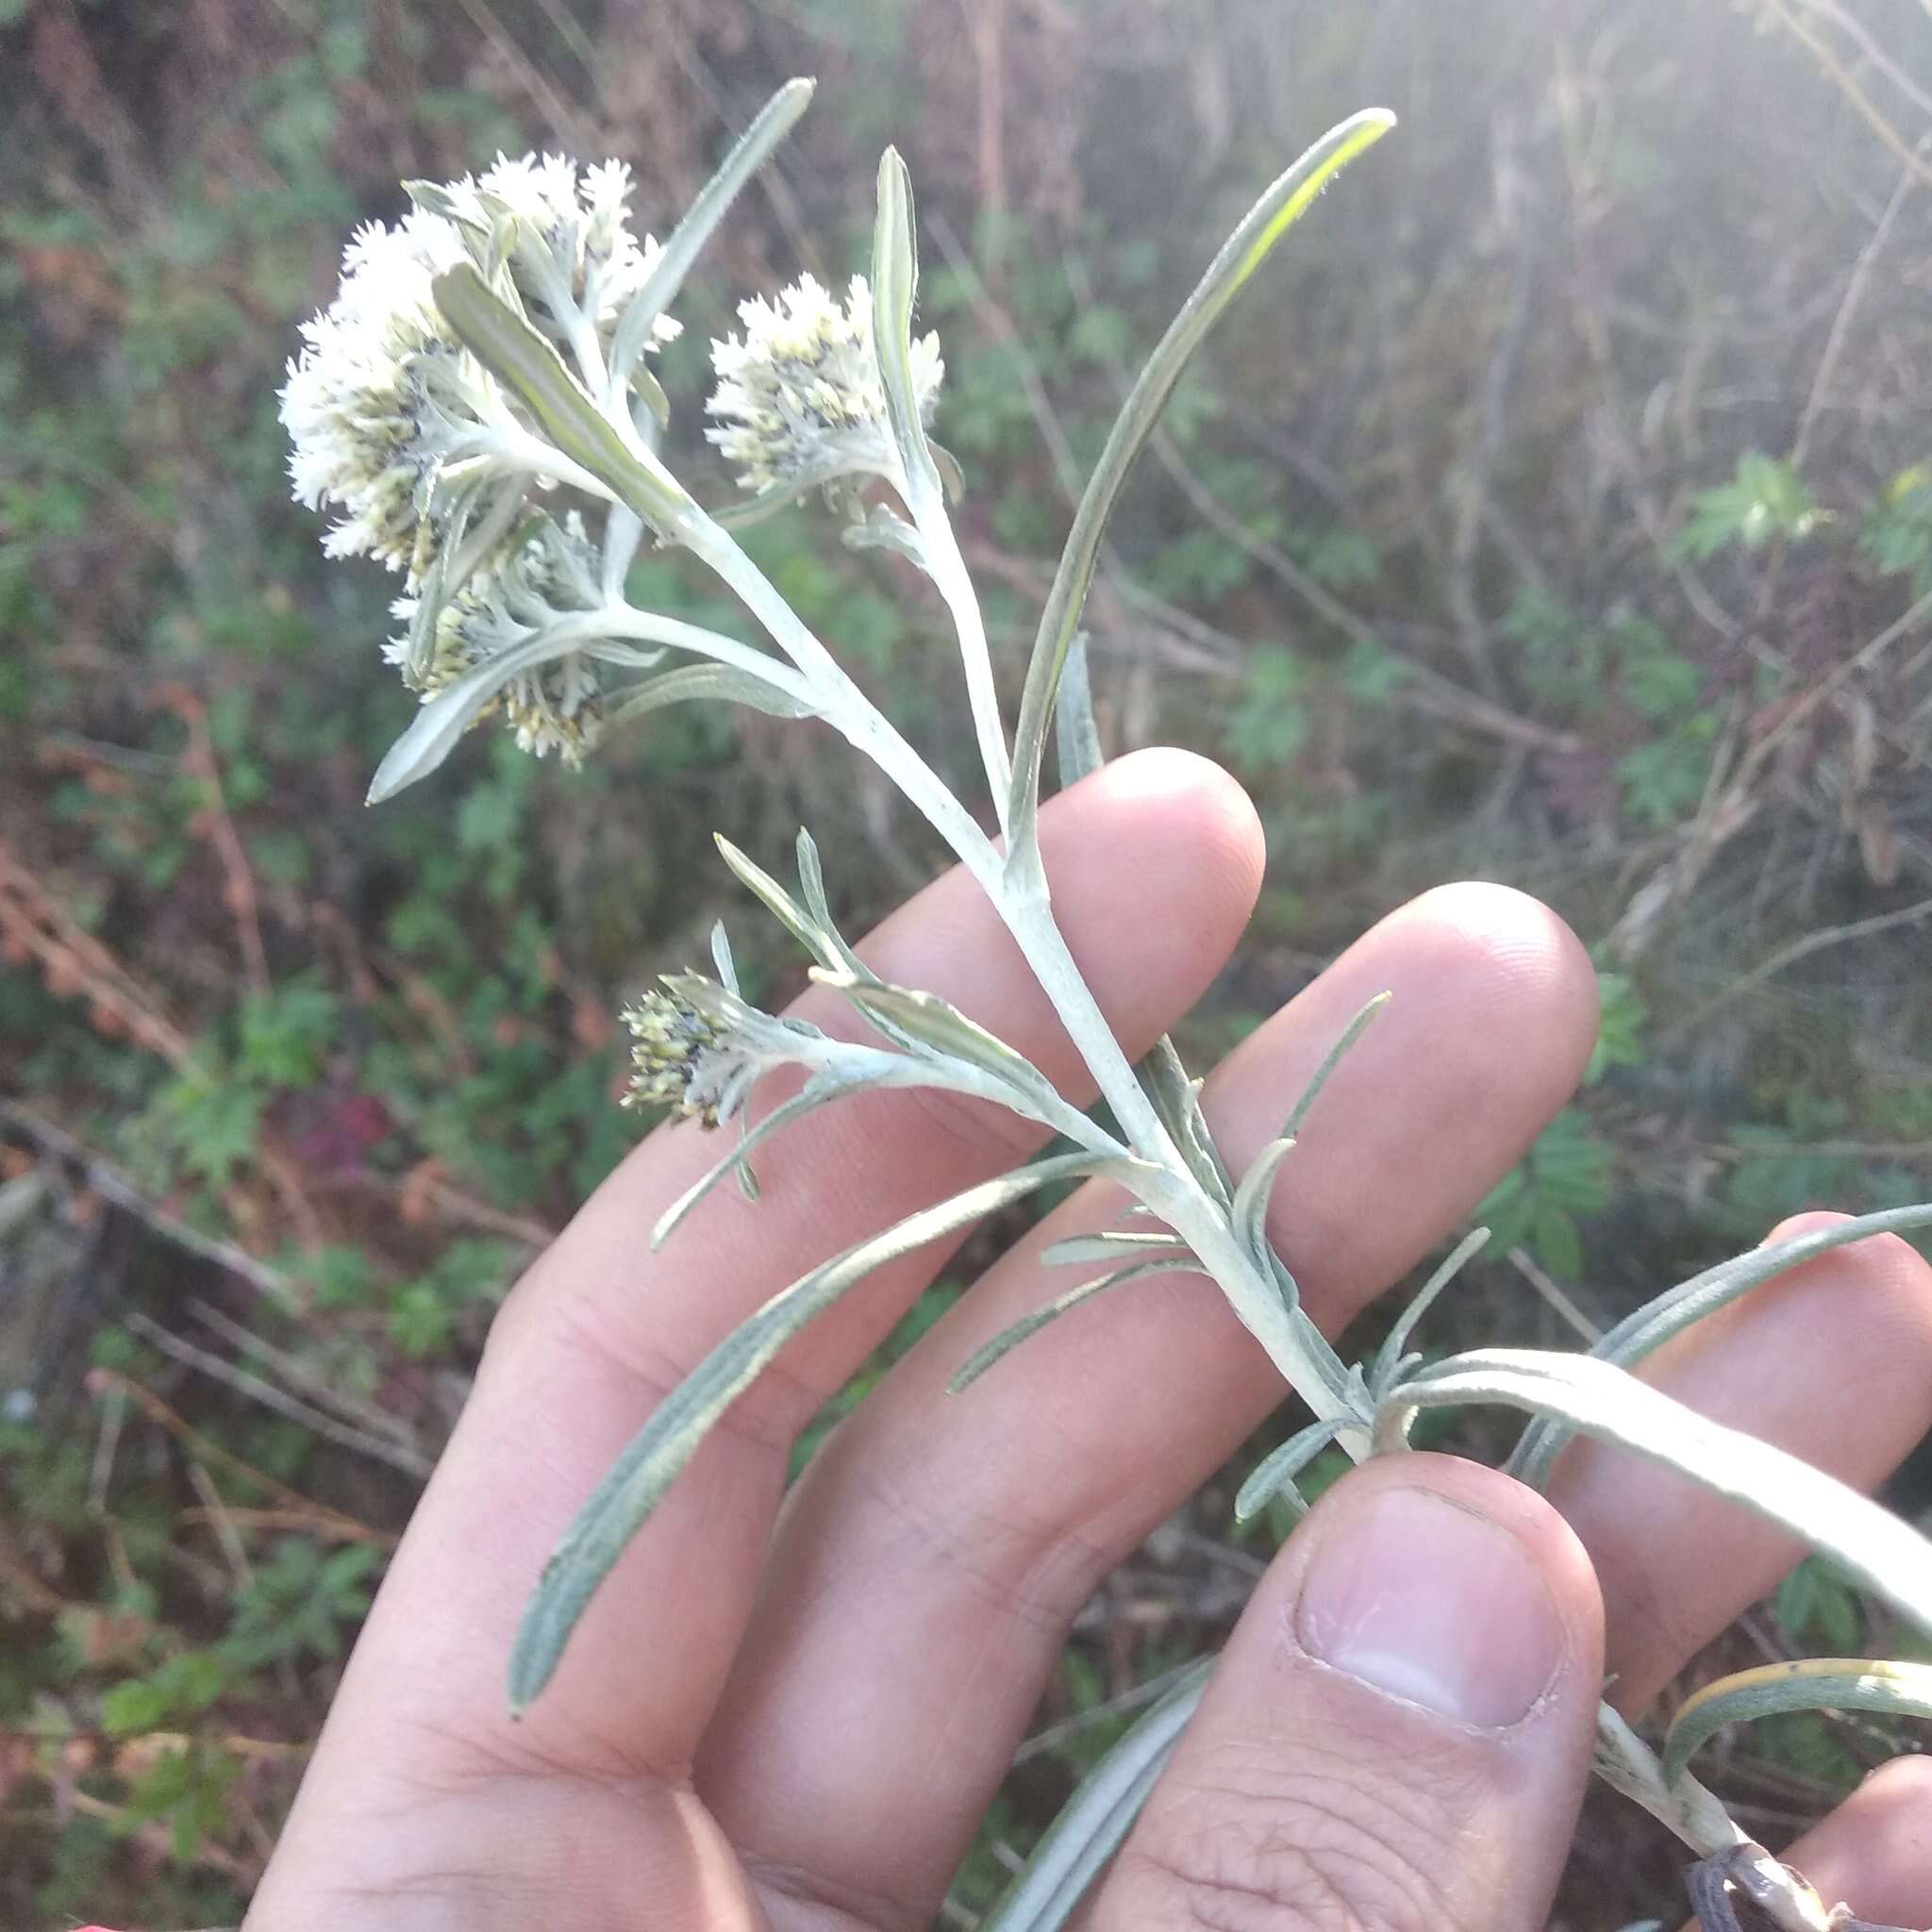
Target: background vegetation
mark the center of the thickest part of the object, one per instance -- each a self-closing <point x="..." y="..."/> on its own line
<point x="1559" y="512"/>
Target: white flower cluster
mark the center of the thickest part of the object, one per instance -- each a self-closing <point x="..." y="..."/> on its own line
<point x="430" y="463"/>
<point x="699" y="1049"/>
<point x="547" y="571"/>
<point x="799" y="396"/>
<point x="569" y="248"/>
<point x="381" y="400"/>
<point x="389" y="416"/>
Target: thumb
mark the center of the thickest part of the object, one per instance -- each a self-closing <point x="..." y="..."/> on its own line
<point x="1398" y="1733"/>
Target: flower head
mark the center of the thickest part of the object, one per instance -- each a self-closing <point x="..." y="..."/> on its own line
<point x="544" y="575"/>
<point x="699" y="1049"/>
<point x="566" y="236"/>
<point x="381" y="399"/>
<point x="799" y="395"/>
<point x="392" y="422"/>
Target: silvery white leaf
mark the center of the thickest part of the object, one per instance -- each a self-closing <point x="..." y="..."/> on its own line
<point x="623" y="1502"/>
<point x="1670" y="1314"/>
<point x="440" y="725"/>
<point x="724" y="682"/>
<point x="1278" y="208"/>
<point x="774" y="121"/>
<point x="1009" y="1339"/>
<point x="1870" y="1545"/>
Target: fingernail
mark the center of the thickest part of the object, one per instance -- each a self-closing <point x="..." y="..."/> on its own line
<point x="1431" y="1602"/>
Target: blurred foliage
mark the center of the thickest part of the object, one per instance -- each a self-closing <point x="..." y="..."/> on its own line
<point x="1557" y="513"/>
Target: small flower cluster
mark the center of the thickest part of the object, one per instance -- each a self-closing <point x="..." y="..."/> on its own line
<point x="568" y="247"/>
<point x="429" y="461"/>
<point x="699" y="1049"/>
<point x="381" y="400"/>
<point x="546" y="574"/>
<point x="799" y="396"/>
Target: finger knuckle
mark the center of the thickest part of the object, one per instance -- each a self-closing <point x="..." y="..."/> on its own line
<point x="1244" y="1846"/>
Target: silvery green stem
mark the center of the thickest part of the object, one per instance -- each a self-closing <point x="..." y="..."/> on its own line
<point x="840" y="701"/>
<point x="517" y="446"/>
<point x="843" y="705"/>
<point x="1297" y="1349"/>
<point x="621" y="620"/>
<point x="1627" y="1764"/>
<point x="590" y="356"/>
<point x="947" y="569"/>
<point x="1295" y="1346"/>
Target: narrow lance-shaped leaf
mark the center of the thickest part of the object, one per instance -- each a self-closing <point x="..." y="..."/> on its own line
<point x="1826" y="1683"/>
<point x="894" y="288"/>
<point x="1393" y="1352"/>
<point x="525" y="363"/>
<point x="1009" y="1338"/>
<point x="1245" y="251"/>
<point x="1176" y="1099"/>
<point x="1274" y="1475"/>
<point x="1872" y="1545"/>
<point x="1096" y="1819"/>
<point x="811" y="882"/>
<point x="1638" y="1335"/>
<point x="821" y="1089"/>
<point x="930" y="1023"/>
<point x="1350" y="1034"/>
<point x="884" y="529"/>
<point x="754" y="147"/>
<point x="779" y="904"/>
<point x="728" y="978"/>
<point x="781" y="495"/>
<point x="722" y="960"/>
<point x="621" y="1503"/>
<point x="1119" y="1245"/>
<point x="1076" y="731"/>
<point x="1250" y="1211"/>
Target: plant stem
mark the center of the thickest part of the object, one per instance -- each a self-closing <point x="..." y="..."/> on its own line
<point x="947" y="569"/>
<point x="1311" y="1368"/>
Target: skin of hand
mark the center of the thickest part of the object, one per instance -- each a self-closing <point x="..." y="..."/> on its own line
<point x="786" y="1712"/>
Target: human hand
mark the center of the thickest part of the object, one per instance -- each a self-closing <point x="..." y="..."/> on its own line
<point x="793" y="1718"/>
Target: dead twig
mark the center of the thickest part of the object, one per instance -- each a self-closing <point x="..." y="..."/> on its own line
<point x="545" y="95"/>
<point x="304" y="1521"/>
<point x="1556" y="1295"/>
<point x="215" y="1513"/>
<point x="1846" y="82"/>
<point x="238" y="888"/>
<point x="111" y="1185"/>
<point x="337" y="1523"/>
<point x="410" y="1462"/>
<point x="1847" y="310"/>
<point x="1872" y="49"/>
<point x="35" y="924"/>
<point x="1728" y="807"/>
<point x="351" y="1408"/>
<point x="1819" y="942"/>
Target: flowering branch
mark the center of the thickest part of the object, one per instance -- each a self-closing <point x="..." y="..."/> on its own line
<point x="476" y="408"/>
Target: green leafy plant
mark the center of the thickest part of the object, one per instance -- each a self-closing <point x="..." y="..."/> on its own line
<point x="1896" y="535"/>
<point x="1538" y="1205"/>
<point x="1763" y="500"/>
